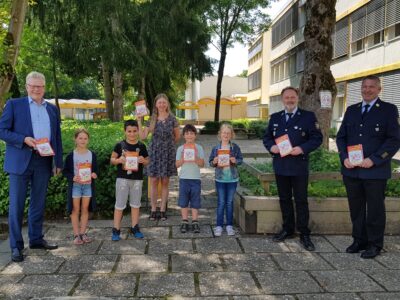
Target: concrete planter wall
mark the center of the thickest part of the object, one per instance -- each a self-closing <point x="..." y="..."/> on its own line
<point x="256" y="214"/>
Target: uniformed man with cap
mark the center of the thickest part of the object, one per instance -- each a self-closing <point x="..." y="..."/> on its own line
<point x="290" y="136"/>
<point x="367" y="140"/>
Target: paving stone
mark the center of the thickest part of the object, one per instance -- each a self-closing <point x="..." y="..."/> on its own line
<point x="264" y="297"/>
<point x="171" y="221"/>
<point x="392" y="243"/>
<point x="262" y="244"/>
<point x="89" y="264"/>
<point x="4" y="260"/>
<point x="340" y="242"/>
<point x="389" y="279"/>
<point x="136" y="246"/>
<point x="389" y="260"/>
<point x="205" y="232"/>
<point x="114" y="285"/>
<point x="287" y="282"/>
<point x="34" y="265"/>
<point x="321" y="245"/>
<point x="170" y="246"/>
<point x="100" y="234"/>
<point x="39" y="286"/>
<point x="181" y="284"/>
<point x="198" y="298"/>
<point x="142" y="263"/>
<point x="59" y="233"/>
<point x="196" y="263"/>
<point x="209" y="202"/>
<point x="218" y="245"/>
<point x="301" y="261"/>
<point x="249" y="262"/>
<point x="336" y="296"/>
<point x="227" y="283"/>
<point x="156" y="232"/>
<point x="68" y="248"/>
<point x="5" y="246"/>
<point x="345" y="281"/>
<point x="380" y="296"/>
<point x="346" y="261"/>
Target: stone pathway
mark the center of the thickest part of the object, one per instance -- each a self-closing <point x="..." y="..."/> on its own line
<point x="167" y="264"/>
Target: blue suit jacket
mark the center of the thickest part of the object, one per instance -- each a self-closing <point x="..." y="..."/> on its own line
<point x="15" y="125"/>
<point x="303" y="131"/>
<point x="378" y="133"/>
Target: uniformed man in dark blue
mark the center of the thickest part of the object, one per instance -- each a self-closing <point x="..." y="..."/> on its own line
<point x="373" y="124"/>
<point x="291" y="171"/>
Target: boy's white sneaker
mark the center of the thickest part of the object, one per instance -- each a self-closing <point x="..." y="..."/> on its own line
<point x="230" y="230"/>
<point x="218" y="231"/>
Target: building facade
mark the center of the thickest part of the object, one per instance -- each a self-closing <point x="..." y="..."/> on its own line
<point x="366" y="41"/>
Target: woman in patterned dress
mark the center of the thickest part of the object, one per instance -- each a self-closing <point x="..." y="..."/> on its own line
<point x="165" y="132"/>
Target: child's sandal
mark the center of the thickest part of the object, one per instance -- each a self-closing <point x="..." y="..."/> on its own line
<point x="163" y="216"/>
<point x="153" y="216"/>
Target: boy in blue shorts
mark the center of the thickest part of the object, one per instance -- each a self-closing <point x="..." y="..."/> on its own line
<point x="190" y="158"/>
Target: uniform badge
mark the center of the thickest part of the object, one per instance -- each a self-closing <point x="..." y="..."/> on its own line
<point x="274" y="133"/>
<point x="303" y="134"/>
<point x="295" y="127"/>
<point x="377" y="105"/>
<point x="377" y="129"/>
<point x="317" y="125"/>
<point x="384" y="155"/>
<point x="275" y="125"/>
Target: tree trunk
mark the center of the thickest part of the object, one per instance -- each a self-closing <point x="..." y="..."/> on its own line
<point x="11" y="43"/>
<point x="118" y="96"/>
<point x="108" y="93"/>
<point x="221" y="67"/>
<point x="317" y="76"/>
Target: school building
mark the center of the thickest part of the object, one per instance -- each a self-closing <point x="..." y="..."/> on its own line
<point x="366" y="41"/>
<point x="79" y="109"/>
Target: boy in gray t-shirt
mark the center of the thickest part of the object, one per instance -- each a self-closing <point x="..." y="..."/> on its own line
<point x="190" y="158"/>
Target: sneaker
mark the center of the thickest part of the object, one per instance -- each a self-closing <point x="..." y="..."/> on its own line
<point x="195" y="227"/>
<point x="136" y="232"/>
<point x="85" y="238"/>
<point x="78" y="240"/>
<point x="229" y="230"/>
<point x="218" y="231"/>
<point x="115" y="234"/>
<point x="184" y="226"/>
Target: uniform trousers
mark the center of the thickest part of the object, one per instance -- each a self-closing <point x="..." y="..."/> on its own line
<point x="367" y="209"/>
<point x="289" y="187"/>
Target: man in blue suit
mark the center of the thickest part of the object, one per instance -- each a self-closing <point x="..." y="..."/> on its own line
<point x="24" y="121"/>
<point x="373" y="125"/>
<point x="301" y="128"/>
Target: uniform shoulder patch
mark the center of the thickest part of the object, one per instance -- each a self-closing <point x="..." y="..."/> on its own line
<point x="317" y="125"/>
<point x="398" y="121"/>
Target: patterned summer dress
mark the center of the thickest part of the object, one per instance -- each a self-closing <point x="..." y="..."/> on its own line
<point x="162" y="150"/>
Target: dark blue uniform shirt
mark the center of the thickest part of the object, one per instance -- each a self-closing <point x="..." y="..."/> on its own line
<point x="303" y="131"/>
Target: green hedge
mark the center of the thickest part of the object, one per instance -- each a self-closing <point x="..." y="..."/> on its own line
<point x="320" y="161"/>
<point x="103" y="136"/>
<point x="258" y="126"/>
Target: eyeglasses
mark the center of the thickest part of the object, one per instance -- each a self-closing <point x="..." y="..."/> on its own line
<point x="38" y="87"/>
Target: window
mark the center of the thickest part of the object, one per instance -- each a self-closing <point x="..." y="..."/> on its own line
<point x="357" y="46"/>
<point x="392" y="12"/>
<point x="375" y="39"/>
<point x="341" y="38"/>
<point x="254" y="80"/>
<point x="397" y="30"/>
<point x="287" y="24"/>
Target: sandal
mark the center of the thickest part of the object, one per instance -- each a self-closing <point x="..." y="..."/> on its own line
<point x="153" y="216"/>
<point x="163" y="216"/>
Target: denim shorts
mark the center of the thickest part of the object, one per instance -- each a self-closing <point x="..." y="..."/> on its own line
<point x="81" y="190"/>
<point x="189" y="192"/>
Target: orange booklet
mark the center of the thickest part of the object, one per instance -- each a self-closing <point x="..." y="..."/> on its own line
<point x="131" y="163"/>
<point x="284" y="145"/>
<point x="224" y="158"/>
<point x="356" y="155"/>
<point x="43" y="147"/>
<point x="189" y="153"/>
<point x="141" y="109"/>
<point x="85" y="173"/>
